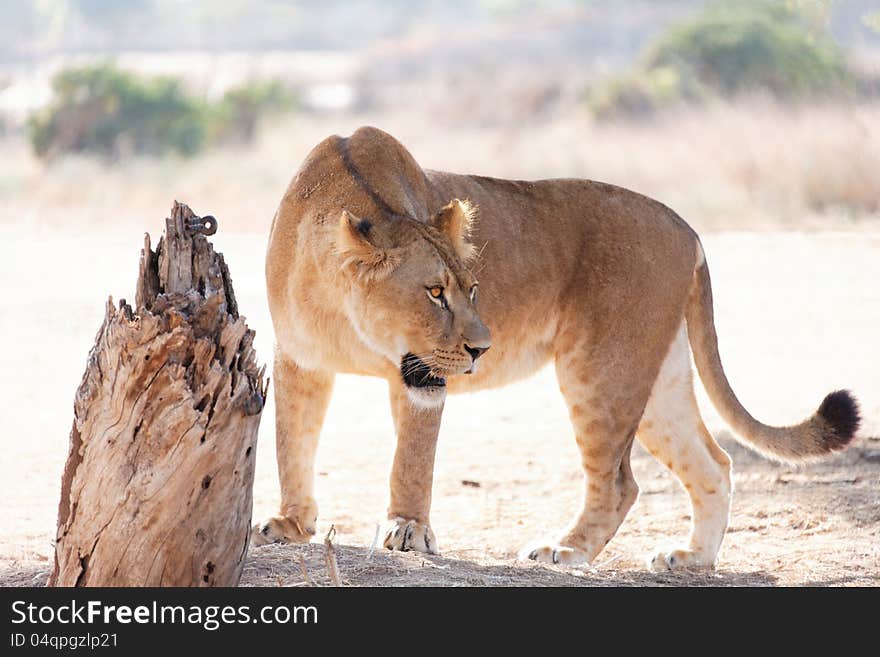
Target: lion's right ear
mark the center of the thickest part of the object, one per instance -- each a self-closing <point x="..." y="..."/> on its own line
<point x="355" y="243"/>
<point x="456" y="220"/>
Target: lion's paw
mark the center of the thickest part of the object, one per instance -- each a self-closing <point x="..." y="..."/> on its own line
<point x="554" y="553"/>
<point x="407" y="535"/>
<point x="678" y="559"/>
<point x="298" y="527"/>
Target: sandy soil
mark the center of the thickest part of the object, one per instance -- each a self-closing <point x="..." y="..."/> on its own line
<point x="797" y="317"/>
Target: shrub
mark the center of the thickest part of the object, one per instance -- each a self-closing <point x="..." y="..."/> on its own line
<point x="728" y="49"/>
<point x="644" y="92"/>
<point x="241" y="108"/>
<point x="741" y="46"/>
<point x="103" y="110"/>
<point x="110" y="112"/>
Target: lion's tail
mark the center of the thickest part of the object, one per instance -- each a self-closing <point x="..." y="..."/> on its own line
<point x="829" y="429"/>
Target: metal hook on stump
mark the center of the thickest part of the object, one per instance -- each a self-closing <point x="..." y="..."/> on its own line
<point x="206" y="225"/>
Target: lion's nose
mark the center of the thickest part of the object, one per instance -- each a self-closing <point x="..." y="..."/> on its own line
<point x="475" y="352"/>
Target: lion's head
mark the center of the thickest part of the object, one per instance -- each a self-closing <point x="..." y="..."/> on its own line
<point x="411" y="296"/>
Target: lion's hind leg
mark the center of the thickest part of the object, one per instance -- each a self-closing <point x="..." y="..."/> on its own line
<point x="604" y="416"/>
<point x="672" y="430"/>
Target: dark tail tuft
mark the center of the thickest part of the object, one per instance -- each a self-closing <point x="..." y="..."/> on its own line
<point x="840" y="410"/>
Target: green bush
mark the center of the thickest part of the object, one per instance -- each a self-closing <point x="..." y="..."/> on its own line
<point x="103" y="110"/>
<point x="737" y="47"/>
<point x="241" y="108"/>
<point x="728" y="49"/>
<point x="644" y="92"/>
<point x="109" y="112"/>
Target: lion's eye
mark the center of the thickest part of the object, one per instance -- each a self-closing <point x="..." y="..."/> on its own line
<point x="474" y="293"/>
<point x="436" y="294"/>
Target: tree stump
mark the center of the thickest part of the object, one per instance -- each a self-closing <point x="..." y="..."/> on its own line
<point x="157" y="489"/>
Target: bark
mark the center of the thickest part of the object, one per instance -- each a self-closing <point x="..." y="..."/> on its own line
<point x="157" y="488"/>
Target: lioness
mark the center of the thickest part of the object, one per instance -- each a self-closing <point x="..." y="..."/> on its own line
<point x="372" y="268"/>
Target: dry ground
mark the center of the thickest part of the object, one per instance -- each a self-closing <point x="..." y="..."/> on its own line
<point x="797" y="316"/>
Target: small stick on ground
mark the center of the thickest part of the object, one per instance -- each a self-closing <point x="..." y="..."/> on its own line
<point x="330" y="557"/>
<point x="305" y="571"/>
<point x="607" y="562"/>
<point x="375" y="542"/>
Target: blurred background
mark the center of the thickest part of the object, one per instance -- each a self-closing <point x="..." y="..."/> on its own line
<point x="757" y="121"/>
<point x="768" y="109"/>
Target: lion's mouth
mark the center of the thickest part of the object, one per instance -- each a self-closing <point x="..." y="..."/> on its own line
<point x="416" y="374"/>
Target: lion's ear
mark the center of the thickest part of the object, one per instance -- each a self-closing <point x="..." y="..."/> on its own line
<point x="456" y="220"/>
<point x="355" y="242"/>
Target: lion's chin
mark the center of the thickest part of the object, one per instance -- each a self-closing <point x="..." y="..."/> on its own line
<point x="427" y="397"/>
<point x="424" y="388"/>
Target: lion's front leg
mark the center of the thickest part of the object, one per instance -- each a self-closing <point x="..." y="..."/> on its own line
<point x="412" y="474"/>
<point x="301" y="398"/>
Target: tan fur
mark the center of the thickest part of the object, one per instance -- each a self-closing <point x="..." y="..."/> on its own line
<point x="673" y="432"/>
<point x="595" y="277"/>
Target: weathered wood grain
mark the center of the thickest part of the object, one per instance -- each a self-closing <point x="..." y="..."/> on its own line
<point x="157" y="488"/>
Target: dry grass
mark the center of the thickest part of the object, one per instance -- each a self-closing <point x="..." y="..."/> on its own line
<point x="752" y="165"/>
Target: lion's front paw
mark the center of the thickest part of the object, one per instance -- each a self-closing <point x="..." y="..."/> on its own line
<point x="297" y="525"/>
<point x="280" y="529"/>
<point x="665" y="560"/>
<point x="406" y="535"/>
<point x="554" y="553"/>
